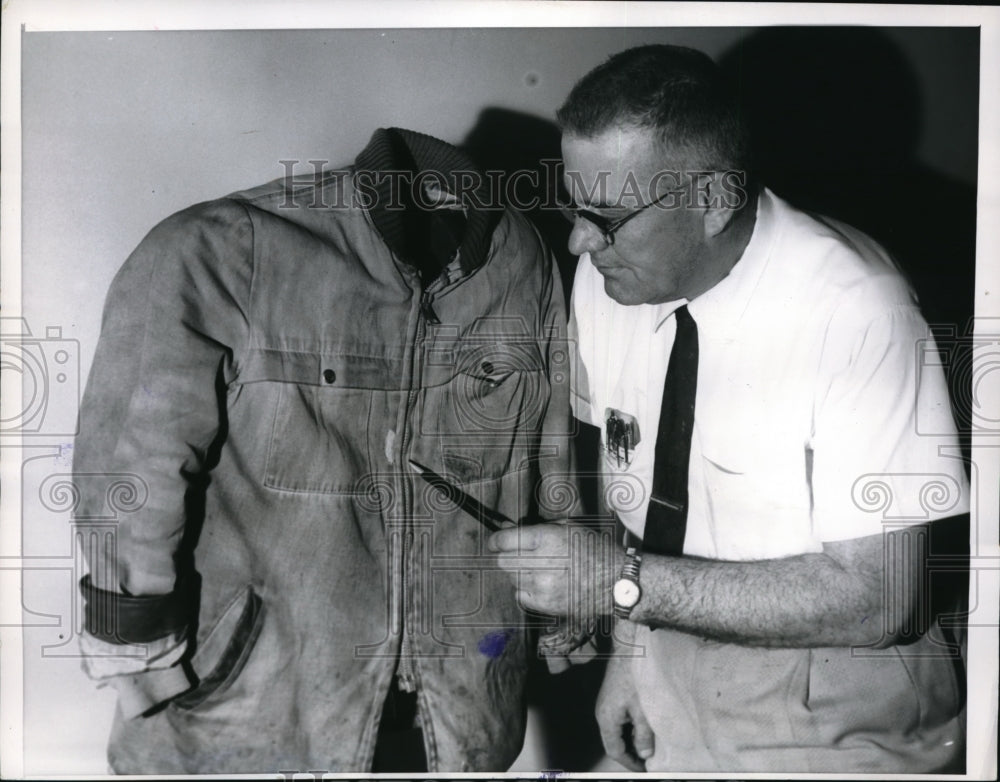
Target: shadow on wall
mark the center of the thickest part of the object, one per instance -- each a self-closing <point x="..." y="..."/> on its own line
<point x="836" y="115"/>
<point x="526" y="149"/>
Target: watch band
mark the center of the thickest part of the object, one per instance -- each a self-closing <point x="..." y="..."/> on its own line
<point x="633" y="559"/>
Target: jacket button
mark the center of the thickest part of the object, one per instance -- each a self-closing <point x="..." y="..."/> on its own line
<point x="329" y="375"/>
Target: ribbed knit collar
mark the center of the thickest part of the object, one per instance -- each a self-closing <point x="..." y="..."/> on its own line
<point x="407" y="231"/>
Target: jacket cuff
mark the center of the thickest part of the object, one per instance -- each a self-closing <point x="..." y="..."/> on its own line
<point x="138" y="693"/>
<point x="563" y="648"/>
<point x="125" y="619"/>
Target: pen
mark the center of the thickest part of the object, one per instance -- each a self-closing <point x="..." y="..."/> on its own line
<point x="491" y="519"/>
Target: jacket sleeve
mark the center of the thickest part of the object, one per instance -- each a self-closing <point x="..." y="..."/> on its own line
<point x="176" y="320"/>
<point x="559" y="496"/>
<point x="566" y="643"/>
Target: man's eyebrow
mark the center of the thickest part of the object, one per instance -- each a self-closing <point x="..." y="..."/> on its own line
<point x="603" y="205"/>
<point x="570" y="195"/>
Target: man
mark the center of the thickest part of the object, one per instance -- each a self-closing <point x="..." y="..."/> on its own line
<point x="284" y="593"/>
<point x="770" y="596"/>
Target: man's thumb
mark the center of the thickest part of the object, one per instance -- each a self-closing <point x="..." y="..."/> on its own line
<point x="642" y="735"/>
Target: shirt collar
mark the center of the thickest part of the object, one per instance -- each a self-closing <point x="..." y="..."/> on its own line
<point x="723" y="305"/>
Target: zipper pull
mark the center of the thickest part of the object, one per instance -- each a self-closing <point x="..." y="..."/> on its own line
<point x="406" y="680"/>
<point x="427" y="310"/>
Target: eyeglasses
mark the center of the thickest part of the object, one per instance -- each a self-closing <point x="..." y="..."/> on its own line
<point x="608" y="228"/>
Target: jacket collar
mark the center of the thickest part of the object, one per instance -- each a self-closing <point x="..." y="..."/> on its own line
<point x="426" y="237"/>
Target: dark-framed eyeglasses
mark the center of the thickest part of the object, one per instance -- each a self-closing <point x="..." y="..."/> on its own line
<point x="607" y="227"/>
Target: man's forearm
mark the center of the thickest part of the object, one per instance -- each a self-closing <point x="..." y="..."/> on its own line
<point x="801" y="601"/>
<point x="862" y="591"/>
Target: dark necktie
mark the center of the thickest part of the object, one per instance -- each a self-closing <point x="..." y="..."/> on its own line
<point x="666" y="519"/>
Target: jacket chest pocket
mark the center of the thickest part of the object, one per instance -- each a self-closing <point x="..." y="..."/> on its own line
<point x="319" y="439"/>
<point x="320" y="430"/>
<point x="485" y="409"/>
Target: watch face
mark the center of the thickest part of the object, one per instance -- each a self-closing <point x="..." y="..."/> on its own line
<point x="626" y="592"/>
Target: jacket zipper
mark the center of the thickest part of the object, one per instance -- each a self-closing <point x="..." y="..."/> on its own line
<point x="406" y="673"/>
<point x="427" y="308"/>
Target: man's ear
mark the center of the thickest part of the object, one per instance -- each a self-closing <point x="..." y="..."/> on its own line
<point x="718" y="211"/>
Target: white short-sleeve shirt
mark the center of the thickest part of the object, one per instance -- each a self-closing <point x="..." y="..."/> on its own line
<point x="818" y="417"/>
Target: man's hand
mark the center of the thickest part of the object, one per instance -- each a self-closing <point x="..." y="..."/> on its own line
<point x="625" y="732"/>
<point x="560" y="569"/>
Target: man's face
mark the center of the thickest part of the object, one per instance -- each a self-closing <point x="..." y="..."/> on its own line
<point x="659" y="254"/>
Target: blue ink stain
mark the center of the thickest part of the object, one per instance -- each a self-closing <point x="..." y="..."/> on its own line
<point x="494" y="642"/>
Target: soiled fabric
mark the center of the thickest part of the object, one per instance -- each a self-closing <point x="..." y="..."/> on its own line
<point x="822" y="415"/>
<point x="268" y="364"/>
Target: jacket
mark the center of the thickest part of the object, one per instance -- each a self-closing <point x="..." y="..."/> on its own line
<point x="268" y="364"/>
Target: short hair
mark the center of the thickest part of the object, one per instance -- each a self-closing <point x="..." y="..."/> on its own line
<point x="678" y="92"/>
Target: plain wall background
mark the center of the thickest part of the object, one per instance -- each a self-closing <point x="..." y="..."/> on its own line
<point x="120" y="129"/>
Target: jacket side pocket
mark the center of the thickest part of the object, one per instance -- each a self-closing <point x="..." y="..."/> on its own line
<point x="220" y="658"/>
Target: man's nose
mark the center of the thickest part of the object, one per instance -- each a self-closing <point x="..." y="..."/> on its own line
<point x="585" y="238"/>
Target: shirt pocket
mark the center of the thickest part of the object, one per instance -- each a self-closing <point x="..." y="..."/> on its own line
<point x="756" y="495"/>
<point x="485" y="408"/>
<point x="319" y="434"/>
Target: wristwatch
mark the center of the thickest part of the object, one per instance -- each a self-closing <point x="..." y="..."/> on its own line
<point x="626" y="591"/>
